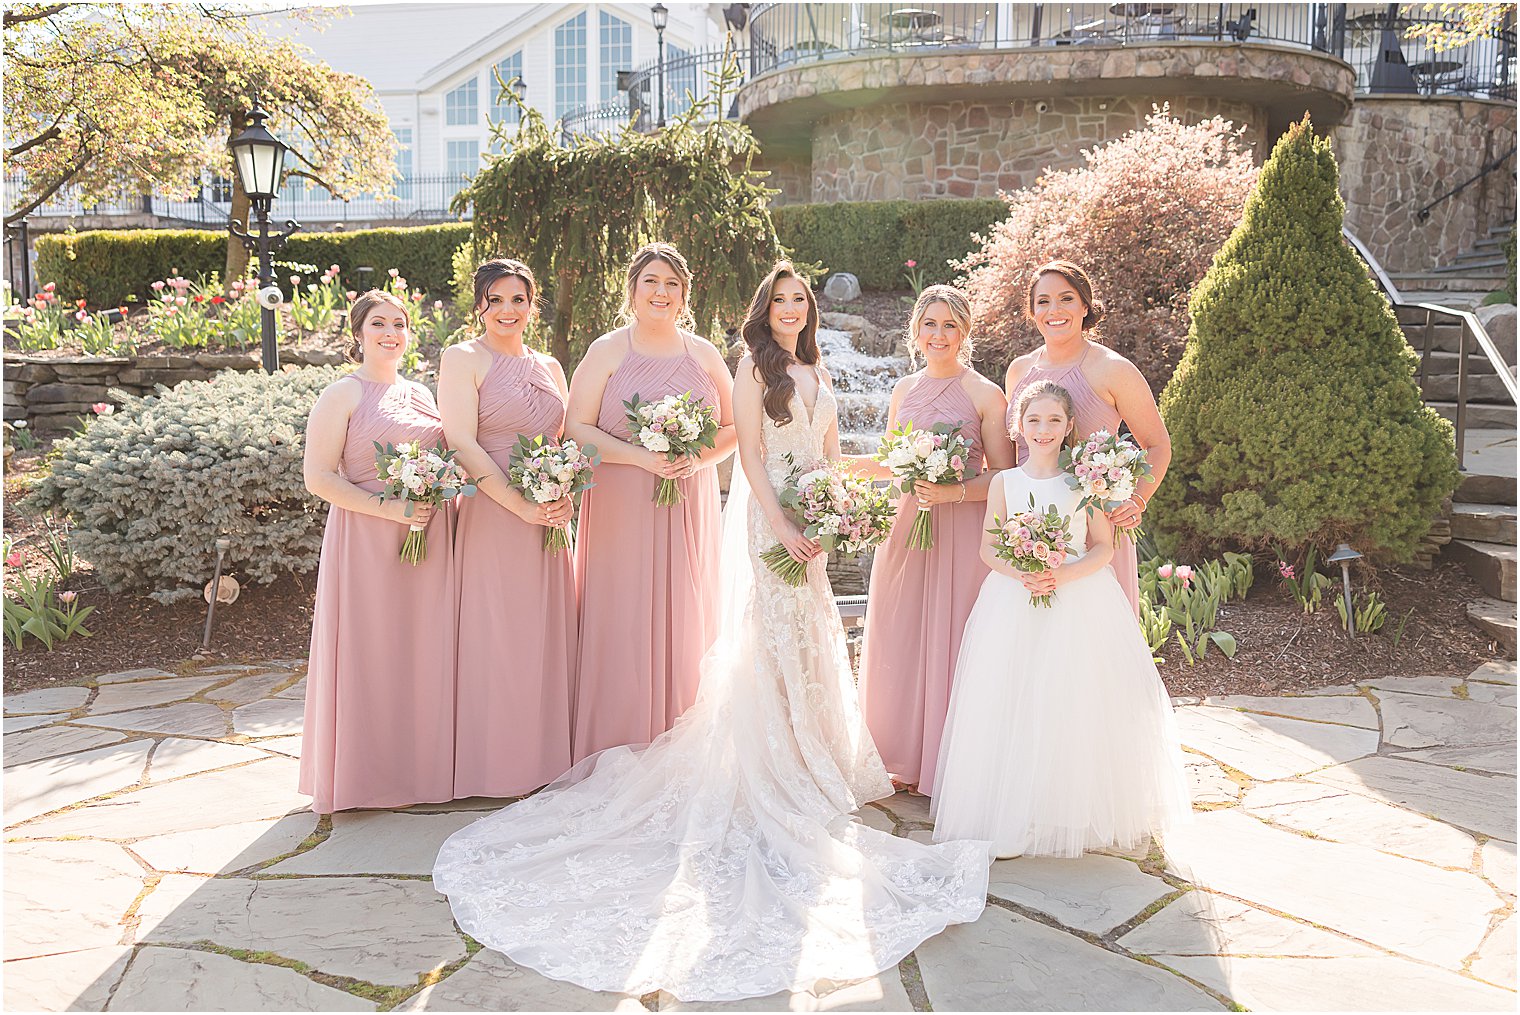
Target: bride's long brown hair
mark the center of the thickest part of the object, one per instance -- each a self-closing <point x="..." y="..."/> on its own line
<point x="770" y="358"/>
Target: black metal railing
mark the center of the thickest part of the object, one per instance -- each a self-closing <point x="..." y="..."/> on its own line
<point x="414" y="199"/>
<point x="689" y="79"/>
<point x="1424" y="213"/>
<point x="606" y="118"/>
<point x="1475" y="340"/>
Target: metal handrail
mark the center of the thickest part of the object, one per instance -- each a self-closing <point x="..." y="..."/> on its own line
<point x="1471" y="326"/>
<point x="1424" y="213"/>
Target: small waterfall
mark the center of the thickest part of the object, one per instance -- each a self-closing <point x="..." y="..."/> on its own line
<point x="863" y="388"/>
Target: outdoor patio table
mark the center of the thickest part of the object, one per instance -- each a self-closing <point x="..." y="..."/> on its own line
<point x="911" y="19"/>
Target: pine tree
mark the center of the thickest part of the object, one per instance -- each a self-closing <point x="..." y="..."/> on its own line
<point x="1294" y="414"/>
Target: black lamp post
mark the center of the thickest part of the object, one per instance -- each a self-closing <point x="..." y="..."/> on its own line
<point x="259" y="158"/>
<point x="661" y="19"/>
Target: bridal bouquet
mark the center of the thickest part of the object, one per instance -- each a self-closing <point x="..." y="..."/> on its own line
<point x="675" y="425"/>
<point x="1032" y="541"/>
<point x="845" y="513"/>
<point x="544" y="471"/>
<point x="937" y="455"/>
<point x="419" y="475"/>
<point x="1107" y="469"/>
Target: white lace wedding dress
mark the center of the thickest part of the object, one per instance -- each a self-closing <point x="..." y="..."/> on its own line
<point x="721" y="861"/>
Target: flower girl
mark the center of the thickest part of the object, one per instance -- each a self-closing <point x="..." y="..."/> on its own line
<point x="1060" y="736"/>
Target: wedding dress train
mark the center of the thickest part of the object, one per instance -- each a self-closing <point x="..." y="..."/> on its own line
<point x="721" y="861"/>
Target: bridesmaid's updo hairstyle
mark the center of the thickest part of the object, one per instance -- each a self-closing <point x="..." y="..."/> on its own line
<point x="1046" y="389"/>
<point x="361" y="309"/>
<point x="493" y="271"/>
<point x="960" y="310"/>
<point x="770" y="359"/>
<point x="1075" y="276"/>
<point x="642" y="258"/>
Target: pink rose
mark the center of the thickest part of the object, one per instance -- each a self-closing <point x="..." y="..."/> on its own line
<point x="1041" y="551"/>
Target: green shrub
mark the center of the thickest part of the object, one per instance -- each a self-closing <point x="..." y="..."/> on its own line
<point x="1506" y="294"/>
<point x="150" y="487"/>
<point x="106" y="266"/>
<point x="1294" y="413"/>
<point x="872" y="239"/>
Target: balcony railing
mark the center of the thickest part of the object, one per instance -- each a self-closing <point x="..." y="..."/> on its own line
<point x="416" y="200"/>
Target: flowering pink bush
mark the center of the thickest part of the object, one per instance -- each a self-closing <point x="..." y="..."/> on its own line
<point x="1145" y="216"/>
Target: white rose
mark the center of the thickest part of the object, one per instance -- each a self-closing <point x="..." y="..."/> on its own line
<point x="565" y="474"/>
<point x="654" y="441"/>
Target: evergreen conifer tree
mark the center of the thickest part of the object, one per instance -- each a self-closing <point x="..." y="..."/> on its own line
<point x="1294" y="415"/>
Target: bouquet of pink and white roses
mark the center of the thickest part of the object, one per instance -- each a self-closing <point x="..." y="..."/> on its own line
<point x="937" y="455"/>
<point x="675" y="425"/>
<point x="419" y="475"/>
<point x="1033" y="541"/>
<point x="1107" y="469"/>
<point x="844" y="513"/>
<point x="545" y="471"/>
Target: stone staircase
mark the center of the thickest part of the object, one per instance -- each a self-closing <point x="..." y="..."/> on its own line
<point x="1480" y="531"/>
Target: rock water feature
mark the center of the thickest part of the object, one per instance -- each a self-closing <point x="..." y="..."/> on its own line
<point x="863" y="379"/>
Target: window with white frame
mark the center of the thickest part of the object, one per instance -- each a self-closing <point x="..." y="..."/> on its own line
<point x="503" y="111"/>
<point x="570" y="65"/>
<point x="461" y="107"/>
<point x="461" y="160"/>
<point x="403" y="161"/>
<point x="616" y="53"/>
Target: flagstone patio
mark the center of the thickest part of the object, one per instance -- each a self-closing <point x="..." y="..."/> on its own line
<point x="1353" y="848"/>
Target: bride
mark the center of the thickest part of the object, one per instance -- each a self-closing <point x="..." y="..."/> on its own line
<point x="721" y="861"/>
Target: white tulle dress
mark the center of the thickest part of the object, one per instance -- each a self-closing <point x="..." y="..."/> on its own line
<point x="1060" y="736"/>
<point x="721" y="861"/>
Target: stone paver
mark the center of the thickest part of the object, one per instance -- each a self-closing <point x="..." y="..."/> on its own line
<point x="884" y="992"/>
<point x="227" y="848"/>
<point x="273" y="717"/>
<point x="1357" y="890"/>
<point x="378" y="930"/>
<point x="1416" y="720"/>
<point x="146" y="693"/>
<point x="1004" y="962"/>
<point x="48" y="699"/>
<point x="1499" y="864"/>
<point x="1479" y="803"/>
<point x="1346" y="711"/>
<point x="379" y="842"/>
<point x="1359" y="856"/>
<point x="1267" y="747"/>
<point x="98" y="879"/>
<point x="1093" y="893"/>
<point x="247" y="690"/>
<point x="43" y="786"/>
<point x="1346" y="817"/>
<point x="1201" y="923"/>
<point x="69" y="981"/>
<point x="493" y="982"/>
<point x="177" y="979"/>
<point x="264" y="789"/>
<point x="186" y="718"/>
<point x="21" y="748"/>
<point x="18" y="723"/>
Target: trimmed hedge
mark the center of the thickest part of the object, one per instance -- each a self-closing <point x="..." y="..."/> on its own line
<point x="105" y="266"/>
<point x="872" y="239"/>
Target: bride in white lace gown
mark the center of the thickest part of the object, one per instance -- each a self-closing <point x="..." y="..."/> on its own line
<point x="721" y="861"/>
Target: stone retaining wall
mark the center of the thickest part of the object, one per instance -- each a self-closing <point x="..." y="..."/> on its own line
<point x="51" y="393"/>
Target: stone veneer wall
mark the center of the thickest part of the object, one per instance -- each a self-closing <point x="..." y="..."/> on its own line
<point x="51" y="393"/>
<point x="974" y="149"/>
<point x="1397" y="154"/>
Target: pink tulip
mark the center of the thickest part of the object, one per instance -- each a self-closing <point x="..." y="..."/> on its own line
<point x="157" y="286"/>
<point x="50" y="287"/>
<point x="910" y="264"/>
<point x="394" y="272"/>
<point x="103" y="408"/>
<point x="14" y="560"/>
<point x="1164" y="571"/>
<point x="67" y="597"/>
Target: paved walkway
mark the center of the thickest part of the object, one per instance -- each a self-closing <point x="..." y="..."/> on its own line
<point x="1354" y="849"/>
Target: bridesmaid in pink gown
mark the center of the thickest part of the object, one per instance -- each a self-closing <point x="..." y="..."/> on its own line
<point x="517" y="614"/>
<point x="647" y="575"/>
<point x="1105" y="387"/>
<point x="919" y="599"/>
<point x="379" y="729"/>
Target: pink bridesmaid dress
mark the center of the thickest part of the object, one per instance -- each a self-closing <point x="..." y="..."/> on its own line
<point x="647" y="575"/>
<point x="517" y="619"/>
<point x="1093" y="413"/>
<point x="919" y="601"/>
<point x="379" y="728"/>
